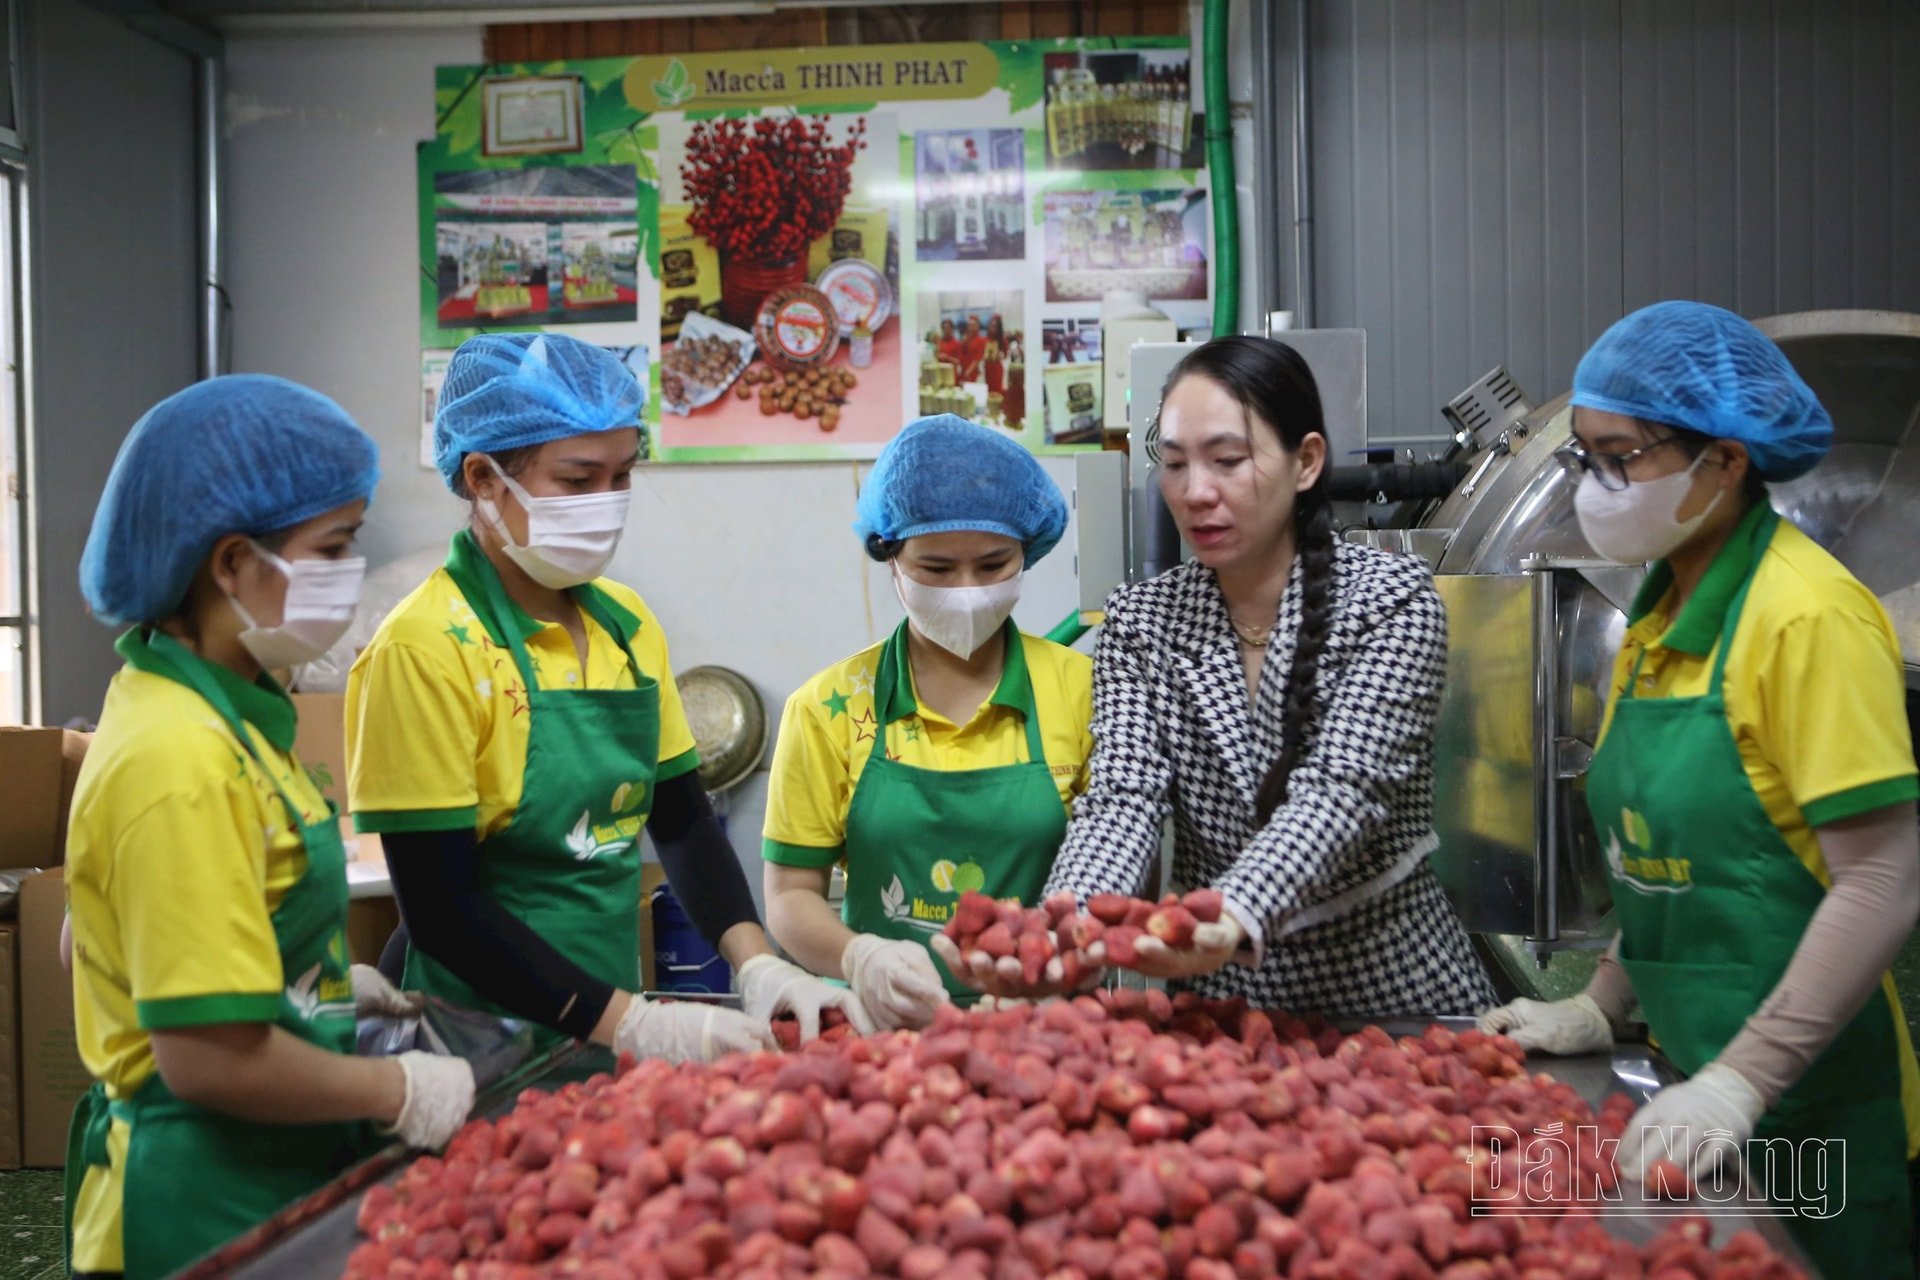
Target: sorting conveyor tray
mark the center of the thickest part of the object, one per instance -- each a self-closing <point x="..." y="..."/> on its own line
<point x="311" y="1240"/>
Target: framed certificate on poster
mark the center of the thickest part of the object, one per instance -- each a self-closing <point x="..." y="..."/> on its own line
<point x="530" y="115"/>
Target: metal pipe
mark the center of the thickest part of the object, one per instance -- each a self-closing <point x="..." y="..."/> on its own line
<point x="208" y="73"/>
<point x="1220" y="174"/>
<point x="1302" y="168"/>
<point x="1266" y="173"/>
<point x="1398" y="481"/>
<point x="1546" y="773"/>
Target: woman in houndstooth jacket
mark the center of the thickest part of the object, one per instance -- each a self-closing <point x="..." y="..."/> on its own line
<point x="1276" y="696"/>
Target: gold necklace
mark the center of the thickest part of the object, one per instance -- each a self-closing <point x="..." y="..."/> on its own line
<point x="1255" y="637"/>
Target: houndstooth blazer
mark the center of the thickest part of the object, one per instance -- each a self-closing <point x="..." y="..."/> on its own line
<point x="1353" y="921"/>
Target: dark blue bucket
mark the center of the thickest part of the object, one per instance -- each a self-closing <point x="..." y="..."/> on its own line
<point x="682" y="960"/>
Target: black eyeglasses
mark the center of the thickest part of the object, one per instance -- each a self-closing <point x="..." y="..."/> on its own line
<point x="1609" y="468"/>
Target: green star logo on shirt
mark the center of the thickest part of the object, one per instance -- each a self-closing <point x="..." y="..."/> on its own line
<point x="459" y="633"/>
<point x="837" y="704"/>
<point x="913" y="729"/>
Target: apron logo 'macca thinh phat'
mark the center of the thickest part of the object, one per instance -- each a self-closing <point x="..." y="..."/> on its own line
<point x="587" y="842"/>
<point x="1645" y="874"/>
<point x="919" y="913"/>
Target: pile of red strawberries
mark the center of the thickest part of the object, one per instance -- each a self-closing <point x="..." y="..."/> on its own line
<point x="1127" y="1135"/>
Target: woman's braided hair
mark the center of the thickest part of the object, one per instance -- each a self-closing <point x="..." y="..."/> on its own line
<point x="1275" y="387"/>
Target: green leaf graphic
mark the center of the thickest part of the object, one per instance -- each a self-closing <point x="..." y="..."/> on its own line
<point x="676" y="87"/>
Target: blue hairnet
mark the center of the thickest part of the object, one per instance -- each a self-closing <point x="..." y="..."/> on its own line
<point x="246" y="453"/>
<point x="943" y="473"/>
<point x="1690" y="365"/>
<point x="510" y="390"/>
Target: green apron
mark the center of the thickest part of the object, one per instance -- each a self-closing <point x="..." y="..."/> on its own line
<point x="194" y="1178"/>
<point x="1712" y="901"/>
<point x="916" y="838"/>
<point x="568" y="862"/>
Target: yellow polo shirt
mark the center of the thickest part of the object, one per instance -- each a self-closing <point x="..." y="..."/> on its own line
<point x="180" y="850"/>
<point x="827" y="735"/>
<point x="1815" y="693"/>
<point x="437" y="718"/>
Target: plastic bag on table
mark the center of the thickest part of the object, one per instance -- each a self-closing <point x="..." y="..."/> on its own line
<point x="493" y="1045"/>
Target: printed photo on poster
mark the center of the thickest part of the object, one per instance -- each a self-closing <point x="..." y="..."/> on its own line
<point x="1070" y="342"/>
<point x="433" y="376"/>
<point x="778" y="307"/>
<point x="970" y="195"/>
<point x="1122" y="109"/>
<point x="973" y="358"/>
<point x="518" y="248"/>
<point x="1153" y="243"/>
<point x="1074" y="394"/>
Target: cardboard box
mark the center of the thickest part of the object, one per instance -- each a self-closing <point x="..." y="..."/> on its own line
<point x="37" y="772"/>
<point x="320" y="742"/>
<point x="9" y="1045"/>
<point x="51" y="1075"/>
<point x="652" y="876"/>
<point x="370" y="922"/>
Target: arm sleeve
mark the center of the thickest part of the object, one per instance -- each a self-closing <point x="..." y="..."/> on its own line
<point x="1841" y="743"/>
<point x="1372" y="738"/>
<point x="1854" y="935"/>
<point x="698" y="858"/>
<point x="1610" y="987"/>
<point x="808" y="790"/>
<point x="189" y="885"/>
<point x="436" y="877"/>
<point x="1115" y="832"/>
<point x="413" y="737"/>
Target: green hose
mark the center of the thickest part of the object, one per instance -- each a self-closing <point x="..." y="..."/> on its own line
<point x="1069" y="629"/>
<point x="1226" y="205"/>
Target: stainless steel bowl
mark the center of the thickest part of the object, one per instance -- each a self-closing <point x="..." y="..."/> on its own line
<point x="729" y="723"/>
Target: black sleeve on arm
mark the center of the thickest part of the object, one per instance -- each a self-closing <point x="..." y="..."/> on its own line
<point x="436" y="878"/>
<point x="698" y="858"/>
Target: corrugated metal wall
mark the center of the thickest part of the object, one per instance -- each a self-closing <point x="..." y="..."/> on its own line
<point x="1495" y="181"/>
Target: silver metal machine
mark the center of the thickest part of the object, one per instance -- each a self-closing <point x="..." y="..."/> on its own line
<point x="1535" y="617"/>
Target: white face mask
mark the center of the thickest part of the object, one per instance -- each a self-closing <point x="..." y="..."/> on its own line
<point x="321" y="597"/>
<point x="1640" y="522"/>
<point x="570" y="540"/>
<point x="958" y="619"/>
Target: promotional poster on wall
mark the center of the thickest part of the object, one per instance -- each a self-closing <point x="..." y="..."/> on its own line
<point x="813" y="247"/>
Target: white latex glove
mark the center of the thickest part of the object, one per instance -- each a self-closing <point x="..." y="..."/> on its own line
<point x="1564" y="1027"/>
<point x="372" y="993"/>
<point x="1002" y="978"/>
<point x="1717" y="1102"/>
<point x="894" y="979"/>
<point x="439" y="1096"/>
<point x="689" y="1031"/>
<point x="988" y="1002"/>
<point x="769" y="985"/>
<point x="1212" y="948"/>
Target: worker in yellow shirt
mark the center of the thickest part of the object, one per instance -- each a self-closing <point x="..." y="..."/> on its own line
<point x="213" y="1001"/>
<point x="1754" y="788"/>
<point x="514" y="725"/>
<point x="945" y="758"/>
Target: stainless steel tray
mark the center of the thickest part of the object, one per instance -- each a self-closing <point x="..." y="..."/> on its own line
<point x="1637" y="1070"/>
